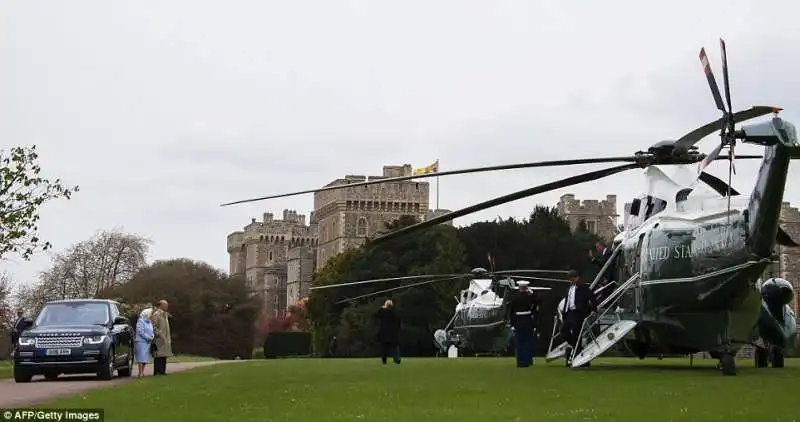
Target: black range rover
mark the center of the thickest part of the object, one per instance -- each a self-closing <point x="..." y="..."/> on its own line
<point x="75" y="337"/>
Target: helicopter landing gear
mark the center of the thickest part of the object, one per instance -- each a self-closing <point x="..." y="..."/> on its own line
<point x="777" y="358"/>
<point x="761" y="356"/>
<point x="727" y="364"/>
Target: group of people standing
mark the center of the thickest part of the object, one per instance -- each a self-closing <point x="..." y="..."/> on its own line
<point x="153" y="339"/>
<point x="579" y="303"/>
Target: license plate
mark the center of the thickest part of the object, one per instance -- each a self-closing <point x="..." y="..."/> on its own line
<point x="58" y="352"/>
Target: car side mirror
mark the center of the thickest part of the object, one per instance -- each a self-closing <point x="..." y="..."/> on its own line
<point x="120" y="320"/>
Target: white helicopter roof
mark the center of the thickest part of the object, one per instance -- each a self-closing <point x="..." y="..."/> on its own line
<point x="664" y="182"/>
<point x="478" y="286"/>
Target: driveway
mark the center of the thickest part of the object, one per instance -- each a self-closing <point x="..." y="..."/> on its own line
<point x="39" y="390"/>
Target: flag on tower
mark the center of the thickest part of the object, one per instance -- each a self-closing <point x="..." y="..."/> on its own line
<point x="433" y="168"/>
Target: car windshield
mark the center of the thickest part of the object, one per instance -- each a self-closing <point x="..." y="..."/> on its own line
<point x="85" y="313"/>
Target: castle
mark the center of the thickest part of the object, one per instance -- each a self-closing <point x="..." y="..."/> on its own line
<point x="600" y="217"/>
<point x="347" y="216"/>
<point x="279" y="257"/>
<point x="276" y="257"/>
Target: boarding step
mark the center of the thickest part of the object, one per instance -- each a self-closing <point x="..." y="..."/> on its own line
<point x="600" y="344"/>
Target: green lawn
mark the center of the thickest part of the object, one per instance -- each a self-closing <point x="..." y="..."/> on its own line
<point x="5" y="366"/>
<point x="467" y="389"/>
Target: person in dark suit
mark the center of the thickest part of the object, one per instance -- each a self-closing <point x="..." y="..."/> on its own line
<point x="389" y="332"/>
<point x="16" y="330"/>
<point x="579" y="303"/>
<point x="604" y="253"/>
<point x="523" y="308"/>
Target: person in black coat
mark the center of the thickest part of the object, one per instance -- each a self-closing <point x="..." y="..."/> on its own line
<point x="604" y="254"/>
<point x="389" y="332"/>
<point x="16" y="330"/>
<point x="579" y="303"/>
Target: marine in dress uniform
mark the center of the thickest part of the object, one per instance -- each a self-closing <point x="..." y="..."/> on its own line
<point x="522" y="312"/>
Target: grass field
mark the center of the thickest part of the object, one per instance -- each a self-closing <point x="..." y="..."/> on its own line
<point x="5" y="366"/>
<point x="467" y="389"/>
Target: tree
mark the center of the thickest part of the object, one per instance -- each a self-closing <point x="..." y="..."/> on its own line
<point x="107" y="259"/>
<point x="422" y="308"/>
<point x="211" y="314"/>
<point x="7" y="315"/>
<point x="22" y="192"/>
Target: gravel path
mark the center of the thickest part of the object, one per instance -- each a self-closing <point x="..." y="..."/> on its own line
<point x="39" y="390"/>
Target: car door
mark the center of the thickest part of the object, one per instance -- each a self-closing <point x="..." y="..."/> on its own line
<point x="122" y="336"/>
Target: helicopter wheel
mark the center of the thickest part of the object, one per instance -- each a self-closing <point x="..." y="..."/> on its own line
<point x="761" y="356"/>
<point x="777" y="358"/>
<point x="727" y="364"/>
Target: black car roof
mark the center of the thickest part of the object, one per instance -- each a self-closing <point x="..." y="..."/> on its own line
<point x="106" y="301"/>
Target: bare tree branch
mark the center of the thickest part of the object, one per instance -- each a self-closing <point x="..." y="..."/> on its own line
<point x="88" y="268"/>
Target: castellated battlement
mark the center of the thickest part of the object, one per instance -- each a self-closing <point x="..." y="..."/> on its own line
<point x="235" y="241"/>
<point x="408" y="191"/>
<point x="568" y="205"/>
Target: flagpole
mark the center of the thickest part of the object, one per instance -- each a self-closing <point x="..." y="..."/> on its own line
<point x="437" y="184"/>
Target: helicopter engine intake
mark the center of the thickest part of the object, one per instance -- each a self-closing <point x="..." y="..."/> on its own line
<point x="777" y="292"/>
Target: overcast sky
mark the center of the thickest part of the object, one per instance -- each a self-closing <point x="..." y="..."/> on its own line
<point x="162" y="110"/>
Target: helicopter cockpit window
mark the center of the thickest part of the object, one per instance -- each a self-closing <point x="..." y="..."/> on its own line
<point x="654" y="206"/>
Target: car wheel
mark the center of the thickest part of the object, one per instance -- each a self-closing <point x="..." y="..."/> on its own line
<point x="106" y="371"/>
<point x="21" y="375"/>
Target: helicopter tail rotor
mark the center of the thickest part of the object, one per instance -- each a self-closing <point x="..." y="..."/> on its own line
<point x="727" y="129"/>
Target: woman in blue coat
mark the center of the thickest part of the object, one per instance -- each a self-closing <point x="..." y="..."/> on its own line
<point x="144" y="337"/>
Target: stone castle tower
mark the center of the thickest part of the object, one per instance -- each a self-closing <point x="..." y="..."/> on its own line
<point x="347" y="216"/>
<point x="600" y="216"/>
<point x="274" y="254"/>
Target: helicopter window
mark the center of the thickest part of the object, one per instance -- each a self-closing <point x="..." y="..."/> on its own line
<point x="654" y="206"/>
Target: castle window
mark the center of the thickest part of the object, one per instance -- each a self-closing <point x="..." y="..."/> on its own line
<point x="361" y="227"/>
<point x="270" y="256"/>
<point x="591" y="226"/>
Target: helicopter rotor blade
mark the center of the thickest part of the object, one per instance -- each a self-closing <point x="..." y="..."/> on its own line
<point x="381" y="280"/>
<point x="407" y="286"/>
<point x="569" y="181"/>
<point x="725" y="82"/>
<point x="712" y="82"/>
<point x="447" y="173"/>
<point x="539" y="278"/>
<point x="698" y="134"/>
<point x="531" y="272"/>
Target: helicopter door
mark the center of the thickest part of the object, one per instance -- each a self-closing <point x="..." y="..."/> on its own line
<point x="637" y="267"/>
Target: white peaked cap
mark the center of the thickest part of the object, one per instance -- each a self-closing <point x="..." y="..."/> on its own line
<point x="523" y="283"/>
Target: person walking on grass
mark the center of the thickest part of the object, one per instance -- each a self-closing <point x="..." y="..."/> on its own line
<point x="162" y="338"/>
<point x="389" y="332"/>
<point x="143" y="340"/>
